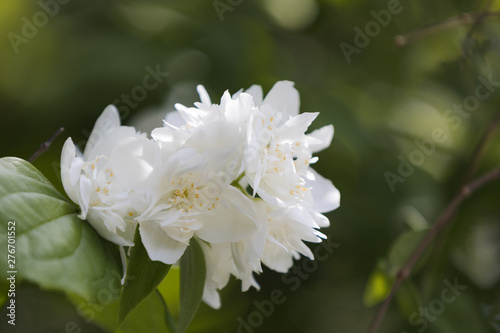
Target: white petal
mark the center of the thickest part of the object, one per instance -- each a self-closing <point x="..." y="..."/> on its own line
<point x="179" y="107"/>
<point x="107" y="121"/>
<point x="247" y="253"/>
<point x="109" y="140"/>
<point x="320" y="219"/>
<point x="326" y="197"/>
<point x="248" y="281"/>
<point x="320" y="139"/>
<point x="295" y="127"/>
<point x="115" y="235"/>
<point x="256" y="92"/>
<point x="215" y="137"/>
<point x="204" y="97"/>
<point x="133" y="161"/>
<point x="238" y="111"/>
<point x="180" y="234"/>
<point x="170" y="135"/>
<point x="174" y="118"/>
<point x="67" y="159"/>
<point x="236" y="94"/>
<point x="226" y="97"/>
<point x="211" y="297"/>
<point x="159" y="245"/>
<point x="183" y="161"/>
<point x="217" y="260"/>
<point x="283" y="97"/>
<point x="231" y="221"/>
<point x="277" y="258"/>
<point x="83" y="195"/>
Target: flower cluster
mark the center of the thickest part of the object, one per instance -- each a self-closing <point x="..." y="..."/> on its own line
<point x="235" y="175"/>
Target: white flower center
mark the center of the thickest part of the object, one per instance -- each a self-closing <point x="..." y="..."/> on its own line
<point x="190" y="196"/>
<point x="104" y="192"/>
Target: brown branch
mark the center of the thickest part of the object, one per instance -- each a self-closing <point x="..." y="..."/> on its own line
<point x="480" y="147"/>
<point x="475" y="26"/>
<point x="466" y="190"/>
<point x="446" y="215"/>
<point x="45" y="146"/>
<point x="464" y="19"/>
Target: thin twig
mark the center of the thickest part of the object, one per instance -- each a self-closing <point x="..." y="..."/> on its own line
<point x="45" y="146"/>
<point x="465" y="191"/>
<point x="446" y="215"/>
<point x="464" y="19"/>
<point x="475" y="26"/>
<point x="480" y="147"/>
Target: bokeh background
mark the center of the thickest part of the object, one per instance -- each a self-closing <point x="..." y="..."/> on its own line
<point x="380" y="101"/>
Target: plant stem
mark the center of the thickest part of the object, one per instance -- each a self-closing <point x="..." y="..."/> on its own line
<point x="464" y="19"/>
<point x="480" y="147"/>
<point x="45" y="146"/>
<point x="467" y="188"/>
<point x="445" y="216"/>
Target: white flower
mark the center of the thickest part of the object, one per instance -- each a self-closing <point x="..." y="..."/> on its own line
<point x="235" y="110"/>
<point x="278" y="154"/>
<point x="92" y="181"/>
<point x="288" y="228"/>
<point x="273" y="156"/>
<point x="239" y="258"/>
<point x="192" y="194"/>
<point x="236" y="176"/>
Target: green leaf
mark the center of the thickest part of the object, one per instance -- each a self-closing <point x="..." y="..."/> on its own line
<point x="206" y="319"/>
<point x="408" y="298"/>
<point x="44" y="311"/>
<point x="169" y="319"/>
<point x="143" y="276"/>
<point x="192" y="283"/>
<point x="146" y="317"/>
<point x="169" y="289"/>
<point x="53" y="247"/>
<point x="378" y="287"/>
<point x="415" y="220"/>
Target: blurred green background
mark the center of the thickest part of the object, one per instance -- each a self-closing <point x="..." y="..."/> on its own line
<point x="90" y="53"/>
